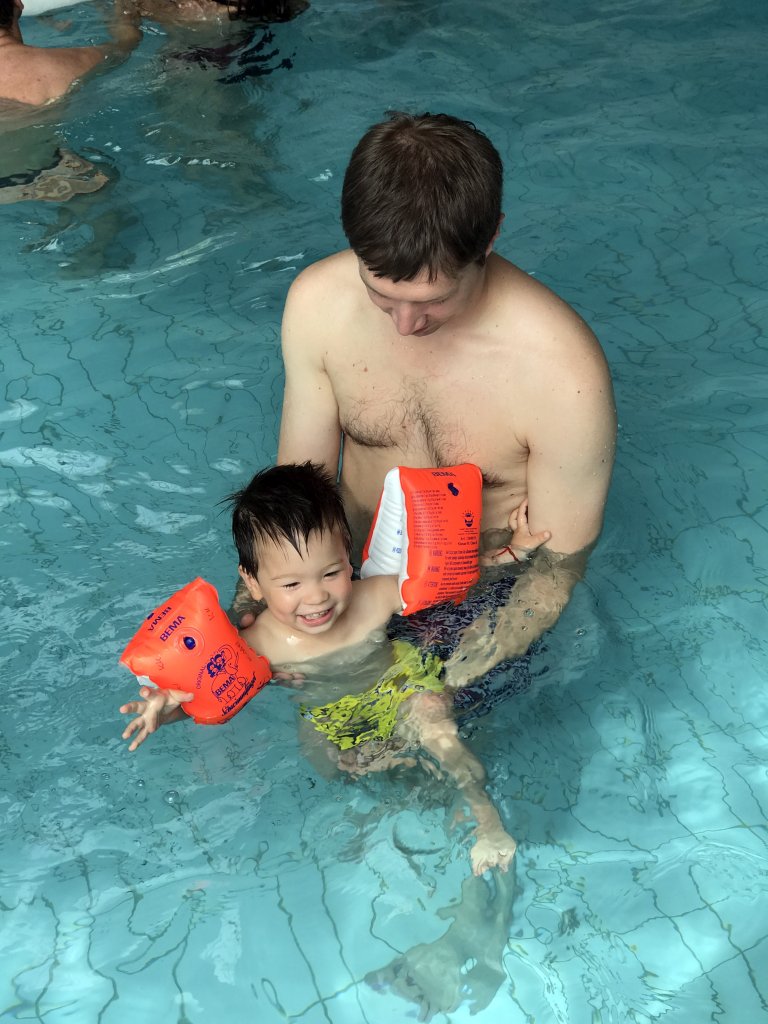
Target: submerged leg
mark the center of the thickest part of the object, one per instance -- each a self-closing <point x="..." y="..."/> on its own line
<point x="363" y="760"/>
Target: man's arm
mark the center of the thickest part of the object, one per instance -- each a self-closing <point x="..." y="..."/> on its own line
<point x="309" y="426"/>
<point x="571" y="445"/>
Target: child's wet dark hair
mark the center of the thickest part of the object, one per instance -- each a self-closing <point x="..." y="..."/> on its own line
<point x="285" y="503"/>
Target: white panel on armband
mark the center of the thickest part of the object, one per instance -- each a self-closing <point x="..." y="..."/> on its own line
<point x="388" y="545"/>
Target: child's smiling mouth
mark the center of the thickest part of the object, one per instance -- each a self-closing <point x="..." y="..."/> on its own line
<point x="317" y="618"/>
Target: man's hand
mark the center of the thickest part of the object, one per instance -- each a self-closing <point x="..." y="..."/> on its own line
<point x="478" y="652"/>
<point x="158" y="707"/>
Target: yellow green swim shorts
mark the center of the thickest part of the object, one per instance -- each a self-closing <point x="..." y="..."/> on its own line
<point x="372" y="715"/>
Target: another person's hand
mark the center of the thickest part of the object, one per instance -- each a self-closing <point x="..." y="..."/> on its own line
<point x="125" y="27"/>
<point x="157" y="707"/>
<point x="522" y="543"/>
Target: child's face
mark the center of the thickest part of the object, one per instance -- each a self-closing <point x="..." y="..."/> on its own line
<point x="309" y="593"/>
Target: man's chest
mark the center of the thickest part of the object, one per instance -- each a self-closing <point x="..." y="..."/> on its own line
<point x="430" y="409"/>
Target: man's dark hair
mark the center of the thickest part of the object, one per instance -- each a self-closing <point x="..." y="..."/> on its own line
<point x="6" y="13"/>
<point x="421" y="192"/>
<point x="286" y="503"/>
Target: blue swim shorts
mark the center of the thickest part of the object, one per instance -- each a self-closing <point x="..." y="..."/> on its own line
<point x="437" y="631"/>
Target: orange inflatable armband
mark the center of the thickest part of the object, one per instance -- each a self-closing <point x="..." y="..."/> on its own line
<point x="426" y="531"/>
<point x="188" y="643"/>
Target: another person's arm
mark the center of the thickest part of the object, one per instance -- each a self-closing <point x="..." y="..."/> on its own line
<point x="53" y="70"/>
<point x="125" y="35"/>
<point x="124" y="29"/>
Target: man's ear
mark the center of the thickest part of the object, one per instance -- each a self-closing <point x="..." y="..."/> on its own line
<point x="496" y="235"/>
<point x="251" y="584"/>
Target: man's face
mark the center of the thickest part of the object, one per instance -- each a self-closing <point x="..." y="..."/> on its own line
<point x="420" y="307"/>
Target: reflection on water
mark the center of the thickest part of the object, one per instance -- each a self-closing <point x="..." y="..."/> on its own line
<point x="464" y="966"/>
<point x="35" y="164"/>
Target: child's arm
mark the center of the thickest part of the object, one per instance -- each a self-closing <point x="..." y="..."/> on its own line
<point x="430" y="716"/>
<point x="522" y="543"/>
<point x="382" y="598"/>
<point x="158" y="707"/>
<point x="374" y="601"/>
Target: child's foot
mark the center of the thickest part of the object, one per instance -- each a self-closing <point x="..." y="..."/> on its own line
<point x="492" y="850"/>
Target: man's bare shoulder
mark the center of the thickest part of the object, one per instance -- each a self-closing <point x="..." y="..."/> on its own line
<point x="324" y="303"/>
<point x="550" y="337"/>
<point x="328" y="279"/>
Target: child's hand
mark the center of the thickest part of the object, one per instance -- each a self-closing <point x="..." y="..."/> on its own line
<point x="157" y="708"/>
<point x="522" y="543"/>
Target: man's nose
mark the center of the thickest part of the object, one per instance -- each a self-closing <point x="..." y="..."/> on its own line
<point x="407" y="318"/>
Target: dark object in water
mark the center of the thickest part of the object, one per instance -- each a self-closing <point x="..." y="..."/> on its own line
<point x="264" y="11"/>
<point x="249" y="57"/>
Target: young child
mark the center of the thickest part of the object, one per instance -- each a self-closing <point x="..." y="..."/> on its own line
<point x="294" y="542"/>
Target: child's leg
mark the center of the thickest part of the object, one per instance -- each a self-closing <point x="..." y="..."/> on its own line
<point x="373" y="756"/>
<point x="431" y="724"/>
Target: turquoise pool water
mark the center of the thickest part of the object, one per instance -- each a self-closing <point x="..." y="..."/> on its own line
<point x="215" y="875"/>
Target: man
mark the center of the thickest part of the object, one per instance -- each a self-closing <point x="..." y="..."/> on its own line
<point x="420" y="346"/>
<point x="37" y="75"/>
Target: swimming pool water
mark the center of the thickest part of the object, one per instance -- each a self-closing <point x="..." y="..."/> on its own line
<point x="215" y="875"/>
